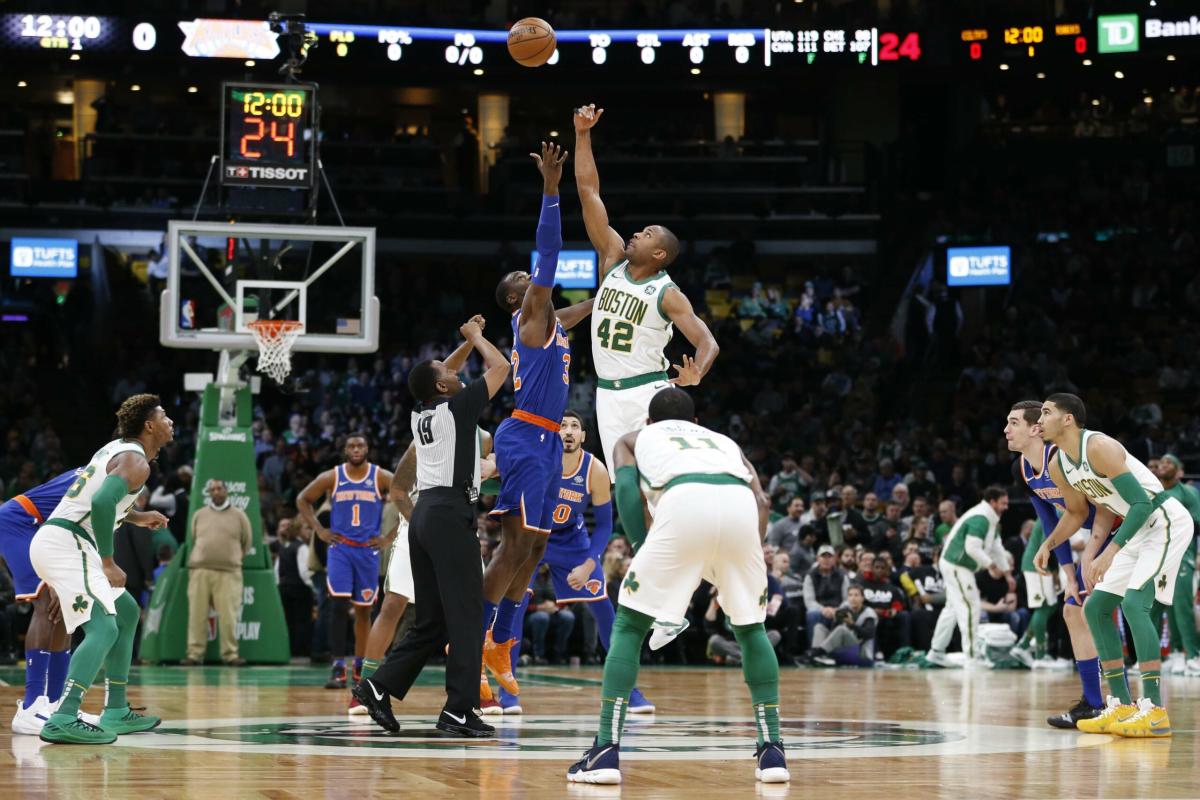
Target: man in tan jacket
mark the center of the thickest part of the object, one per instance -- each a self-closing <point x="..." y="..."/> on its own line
<point x="220" y="540"/>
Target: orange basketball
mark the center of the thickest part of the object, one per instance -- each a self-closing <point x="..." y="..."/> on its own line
<point x="531" y="42"/>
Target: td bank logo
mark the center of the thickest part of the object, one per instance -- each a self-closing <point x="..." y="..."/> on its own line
<point x="1118" y="33"/>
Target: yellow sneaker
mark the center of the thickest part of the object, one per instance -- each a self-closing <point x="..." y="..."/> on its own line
<point x="1115" y="712"/>
<point x="1150" y="722"/>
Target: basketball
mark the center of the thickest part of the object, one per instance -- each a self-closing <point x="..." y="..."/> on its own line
<point x="531" y="42"/>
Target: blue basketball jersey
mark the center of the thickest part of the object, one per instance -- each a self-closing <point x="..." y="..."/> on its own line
<point x="1044" y="487"/>
<point x="356" y="508"/>
<point x="569" y="531"/>
<point x="541" y="375"/>
<point x="46" y="497"/>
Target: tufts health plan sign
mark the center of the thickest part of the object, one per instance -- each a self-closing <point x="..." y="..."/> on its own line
<point x="576" y="269"/>
<point x="44" y="258"/>
<point x="978" y="266"/>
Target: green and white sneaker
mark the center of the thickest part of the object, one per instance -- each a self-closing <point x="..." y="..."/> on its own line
<point x="61" y="729"/>
<point x="126" y="720"/>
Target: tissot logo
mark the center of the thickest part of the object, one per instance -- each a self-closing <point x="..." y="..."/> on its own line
<point x="267" y="173"/>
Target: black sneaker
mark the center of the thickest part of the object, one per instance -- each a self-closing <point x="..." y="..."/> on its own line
<point x="1067" y="719"/>
<point x="464" y="723"/>
<point x="377" y="702"/>
<point x="601" y="764"/>
<point x="337" y="678"/>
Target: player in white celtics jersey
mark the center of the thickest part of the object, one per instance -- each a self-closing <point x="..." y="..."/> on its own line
<point x="73" y="553"/>
<point x="636" y="309"/>
<point x="1138" y="566"/>
<point x="709" y="520"/>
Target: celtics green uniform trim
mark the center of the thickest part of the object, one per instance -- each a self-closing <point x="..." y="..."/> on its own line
<point x="631" y="383"/>
<point x="956" y="551"/>
<point x="66" y="524"/>
<point x="719" y="479"/>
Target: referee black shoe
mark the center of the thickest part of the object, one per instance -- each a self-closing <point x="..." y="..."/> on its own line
<point x="464" y="723"/>
<point x="1082" y="710"/>
<point x="377" y="702"/>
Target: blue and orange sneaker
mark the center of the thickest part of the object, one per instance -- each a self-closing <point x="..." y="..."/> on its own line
<point x="770" y="764"/>
<point x="510" y="704"/>
<point x="601" y="763"/>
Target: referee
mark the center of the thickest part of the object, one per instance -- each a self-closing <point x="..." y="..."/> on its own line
<point x="444" y="550"/>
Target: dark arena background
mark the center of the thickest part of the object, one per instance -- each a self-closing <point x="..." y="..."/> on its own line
<point x="898" y="219"/>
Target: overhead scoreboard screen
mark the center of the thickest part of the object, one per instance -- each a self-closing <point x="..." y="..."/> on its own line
<point x="267" y="135"/>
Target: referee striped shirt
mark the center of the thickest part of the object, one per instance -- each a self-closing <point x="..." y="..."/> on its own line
<point x="447" y="445"/>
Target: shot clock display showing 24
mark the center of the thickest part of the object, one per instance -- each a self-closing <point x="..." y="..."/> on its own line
<point x="268" y="135"/>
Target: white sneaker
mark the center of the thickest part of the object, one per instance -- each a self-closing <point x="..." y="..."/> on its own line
<point x="1192" y="666"/>
<point x="1022" y="655"/>
<point x="934" y="657"/>
<point x="29" y="721"/>
<point x="512" y="711"/>
<point x="663" y="633"/>
<point x="1175" y="664"/>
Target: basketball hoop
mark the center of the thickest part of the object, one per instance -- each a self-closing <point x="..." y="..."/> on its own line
<point x="275" y="338"/>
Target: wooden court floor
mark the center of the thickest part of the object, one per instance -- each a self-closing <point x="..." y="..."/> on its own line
<point x="267" y="732"/>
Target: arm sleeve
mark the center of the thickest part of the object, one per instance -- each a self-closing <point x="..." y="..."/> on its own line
<point x="549" y="242"/>
<point x="104" y="512"/>
<point x="629" y="505"/>
<point x="469" y="403"/>
<point x="1133" y="493"/>
<point x="602" y="532"/>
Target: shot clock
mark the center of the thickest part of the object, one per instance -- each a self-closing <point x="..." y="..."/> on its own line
<point x="268" y="135"/>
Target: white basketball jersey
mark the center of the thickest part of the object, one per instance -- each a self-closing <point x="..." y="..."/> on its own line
<point x="76" y="505"/>
<point x="1099" y="488"/>
<point x="629" y="329"/>
<point x="674" y="448"/>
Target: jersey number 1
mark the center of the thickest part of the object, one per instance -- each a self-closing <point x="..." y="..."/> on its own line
<point x="355" y="520"/>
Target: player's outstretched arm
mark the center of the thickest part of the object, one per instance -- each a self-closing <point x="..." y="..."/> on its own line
<point x="458" y="359"/>
<point x="537" y="307"/>
<point x="494" y="362"/>
<point x="571" y="316"/>
<point x="403" y="481"/>
<point x="608" y="243"/>
<point x="311" y="496"/>
<point x="679" y="310"/>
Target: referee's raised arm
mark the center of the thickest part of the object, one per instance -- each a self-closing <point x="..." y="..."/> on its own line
<point x="493" y="360"/>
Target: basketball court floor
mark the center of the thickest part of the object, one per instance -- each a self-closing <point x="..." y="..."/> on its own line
<point x="273" y="732"/>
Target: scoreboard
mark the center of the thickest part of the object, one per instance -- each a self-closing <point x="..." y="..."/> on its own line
<point x="268" y="135"/>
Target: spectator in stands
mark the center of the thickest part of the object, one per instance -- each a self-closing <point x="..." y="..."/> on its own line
<point x="548" y="622"/>
<point x="850" y="639"/>
<point x="886" y="479"/>
<point x="926" y="593"/>
<point x="999" y="601"/>
<point x="891" y="606"/>
<point x="786" y="484"/>
<point x="294" y="581"/>
<point x="900" y="494"/>
<point x="947" y="516"/>
<point x="871" y="512"/>
<point x="784" y="532"/>
<point x="221" y="538"/>
<point x="825" y="588"/>
<point x="887" y="533"/>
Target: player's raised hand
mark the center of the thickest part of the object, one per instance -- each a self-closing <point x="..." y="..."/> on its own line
<point x="689" y="373"/>
<point x="480" y="321"/>
<point x="471" y="329"/>
<point x="549" y="162"/>
<point x="587" y="116"/>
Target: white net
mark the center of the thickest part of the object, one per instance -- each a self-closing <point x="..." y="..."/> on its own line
<point x="275" y="338"/>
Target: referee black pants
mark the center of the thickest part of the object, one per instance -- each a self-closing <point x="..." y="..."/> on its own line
<point x="448" y="583"/>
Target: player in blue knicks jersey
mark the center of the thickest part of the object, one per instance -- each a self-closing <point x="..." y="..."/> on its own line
<point x="527" y="445"/>
<point x="47" y="645"/>
<point x="574" y="555"/>
<point x="357" y="491"/>
<point x="1025" y="437"/>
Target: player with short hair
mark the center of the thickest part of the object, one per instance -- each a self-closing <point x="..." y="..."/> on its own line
<point x="637" y="308"/>
<point x="973" y="544"/>
<point x="1024" y="435"/>
<point x="575" y="556"/>
<point x="1138" y="567"/>
<point x="709" y="521"/>
<point x="73" y="553"/>
<point x="357" y="490"/>
<point x="528" y="448"/>
<point x="47" y="646"/>
<point x="1181" y="615"/>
